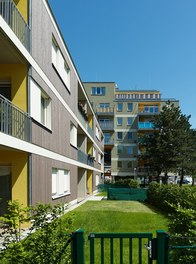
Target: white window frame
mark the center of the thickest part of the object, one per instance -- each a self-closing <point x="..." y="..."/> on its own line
<point x="60" y="183"/>
<point x="119" y="149"/>
<point x="119" y="109"/>
<point x="99" y="158"/>
<point x="73" y="135"/>
<point x="40" y="105"/>
<point x="119" y="135"/>
<point x="119" y="123"/>
<point x="129" y="123"/>
<point x="128" y="108"/>
<point x="60" y="64"/>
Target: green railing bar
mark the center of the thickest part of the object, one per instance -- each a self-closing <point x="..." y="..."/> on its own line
<point x="102" y="250"/>
<point x="122" y="235"/>
<point x="180" y="247"/>
<point x="111" y="250"/>
<point x="121" y="251"/>
<point x="130" y="251"/>
<point x="92" y="248"/>
<point x="140" y="250"/>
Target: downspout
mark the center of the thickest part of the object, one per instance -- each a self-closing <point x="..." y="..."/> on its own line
<point x="29" y="107"/>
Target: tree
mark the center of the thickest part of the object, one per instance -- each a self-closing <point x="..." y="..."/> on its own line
<point x="168" y="147"/>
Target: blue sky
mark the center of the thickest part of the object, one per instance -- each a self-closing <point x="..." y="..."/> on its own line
<point x="139" y="44"/>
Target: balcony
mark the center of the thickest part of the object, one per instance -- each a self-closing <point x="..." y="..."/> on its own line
<point x="83" y="118"/>
<point x="145" y="125"/>
<point x="149" y="110"/>
<point x="108" y="141"/>
<point x="13" y="121"/>
<point x="105" y="111"/>
<point x="85" y="158"/>
<point x="12" y="16"/>
<point x="107" y="125"/>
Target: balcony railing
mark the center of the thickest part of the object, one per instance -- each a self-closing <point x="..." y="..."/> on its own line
<point x="13" y="121"/>
<point x="105" y="110"/>
<point x="107" y="125"/>
<point x="108" y="141"/>
<point x="152" y="110"/>
<point x="145" y="125"/>
<point x="12" y="16"/>
<point x="85" y="158"/>
<point x="85" y="123"/>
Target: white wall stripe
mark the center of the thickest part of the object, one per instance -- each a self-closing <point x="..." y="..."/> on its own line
<point x="14" y="143"/>
<point x="4" y="26"/>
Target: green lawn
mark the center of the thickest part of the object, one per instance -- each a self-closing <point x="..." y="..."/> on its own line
<point x="117" y="216"/>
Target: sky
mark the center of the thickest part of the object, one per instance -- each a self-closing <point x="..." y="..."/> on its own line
<point x="138" y="44"/>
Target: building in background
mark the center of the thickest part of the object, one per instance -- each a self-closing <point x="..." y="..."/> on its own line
<point x="51" y="144"/>
<point x="124" y="116"/>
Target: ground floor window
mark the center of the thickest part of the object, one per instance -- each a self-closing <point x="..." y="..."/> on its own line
<point x="60" y="182"/>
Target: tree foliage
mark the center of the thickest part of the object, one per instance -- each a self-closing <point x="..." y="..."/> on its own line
<point x="172" y="146"/>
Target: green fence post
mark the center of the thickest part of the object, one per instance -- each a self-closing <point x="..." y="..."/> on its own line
<point x="162" y="247"/>
<point x="78" y="247"/>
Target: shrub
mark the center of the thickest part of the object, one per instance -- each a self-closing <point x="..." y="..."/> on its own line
<point x="46" y="241"/>
<point x="180" y="203"/>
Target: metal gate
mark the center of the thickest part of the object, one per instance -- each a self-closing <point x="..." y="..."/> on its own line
<point x="123" y="248"/>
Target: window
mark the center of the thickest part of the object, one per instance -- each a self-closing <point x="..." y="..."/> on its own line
<point x="97" y="133"/>
<point x="107" y="138"/>
<point x="73" y="135"/>
<point x="5" y="88"/>
<point x="129" y="121"/>
<point x="60" y="182"/>
<point x="40" y="105"/>
<point x="98" y="91"/>
<point x="60" y="63"/>
<point x="130" y="107"/>
<point x="119" y="107"/>
<point x="104" y="105"/>
<point x="129" y="164"/>
<point x="97" y="180"/>
<point x="119" y="135"/>
<point x="119" y="164"/>
<point x="119" y="149"/>
<point x="129" y="135"/>
<point x="119" y="121"/>
<point x="94" y="153"/>
<point x="129" y="150"/>
<point x="99" y="158"/>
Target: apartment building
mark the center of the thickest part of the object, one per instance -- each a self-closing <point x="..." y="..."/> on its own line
<point x="124" y="116"/>
<point x="51" y="144"/>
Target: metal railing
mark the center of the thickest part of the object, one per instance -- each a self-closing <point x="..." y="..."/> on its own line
<point x="145" y="125"/>
<point x="85" y="123"/>
<point x="13" y="17"/>
<point x="106" y="125"/>
<point x="13" y="121"/>
<point x="85" y="158"/>
<point x="152" y="110"/>
<point x="108" y="141"/>
<point x="105" y="110"/>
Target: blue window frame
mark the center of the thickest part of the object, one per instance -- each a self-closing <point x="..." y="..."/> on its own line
<point x="129" y="135"/>
<point x="129" y="150"/>
<point x="119" y="121"/>
<point x="119" y="107"/>
<point x="129" y="121"/>
<point x="119" y="135"/>
<point x="130" y="107"/>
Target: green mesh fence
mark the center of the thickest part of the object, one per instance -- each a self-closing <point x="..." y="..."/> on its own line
<point x="127" y="194"/>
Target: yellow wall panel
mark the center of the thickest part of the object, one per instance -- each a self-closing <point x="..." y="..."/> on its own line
<point x="22" y="6"/>
<point x="19" y="171"/>
<point x="17" y="73"/>
<point x="90" y="182"/>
